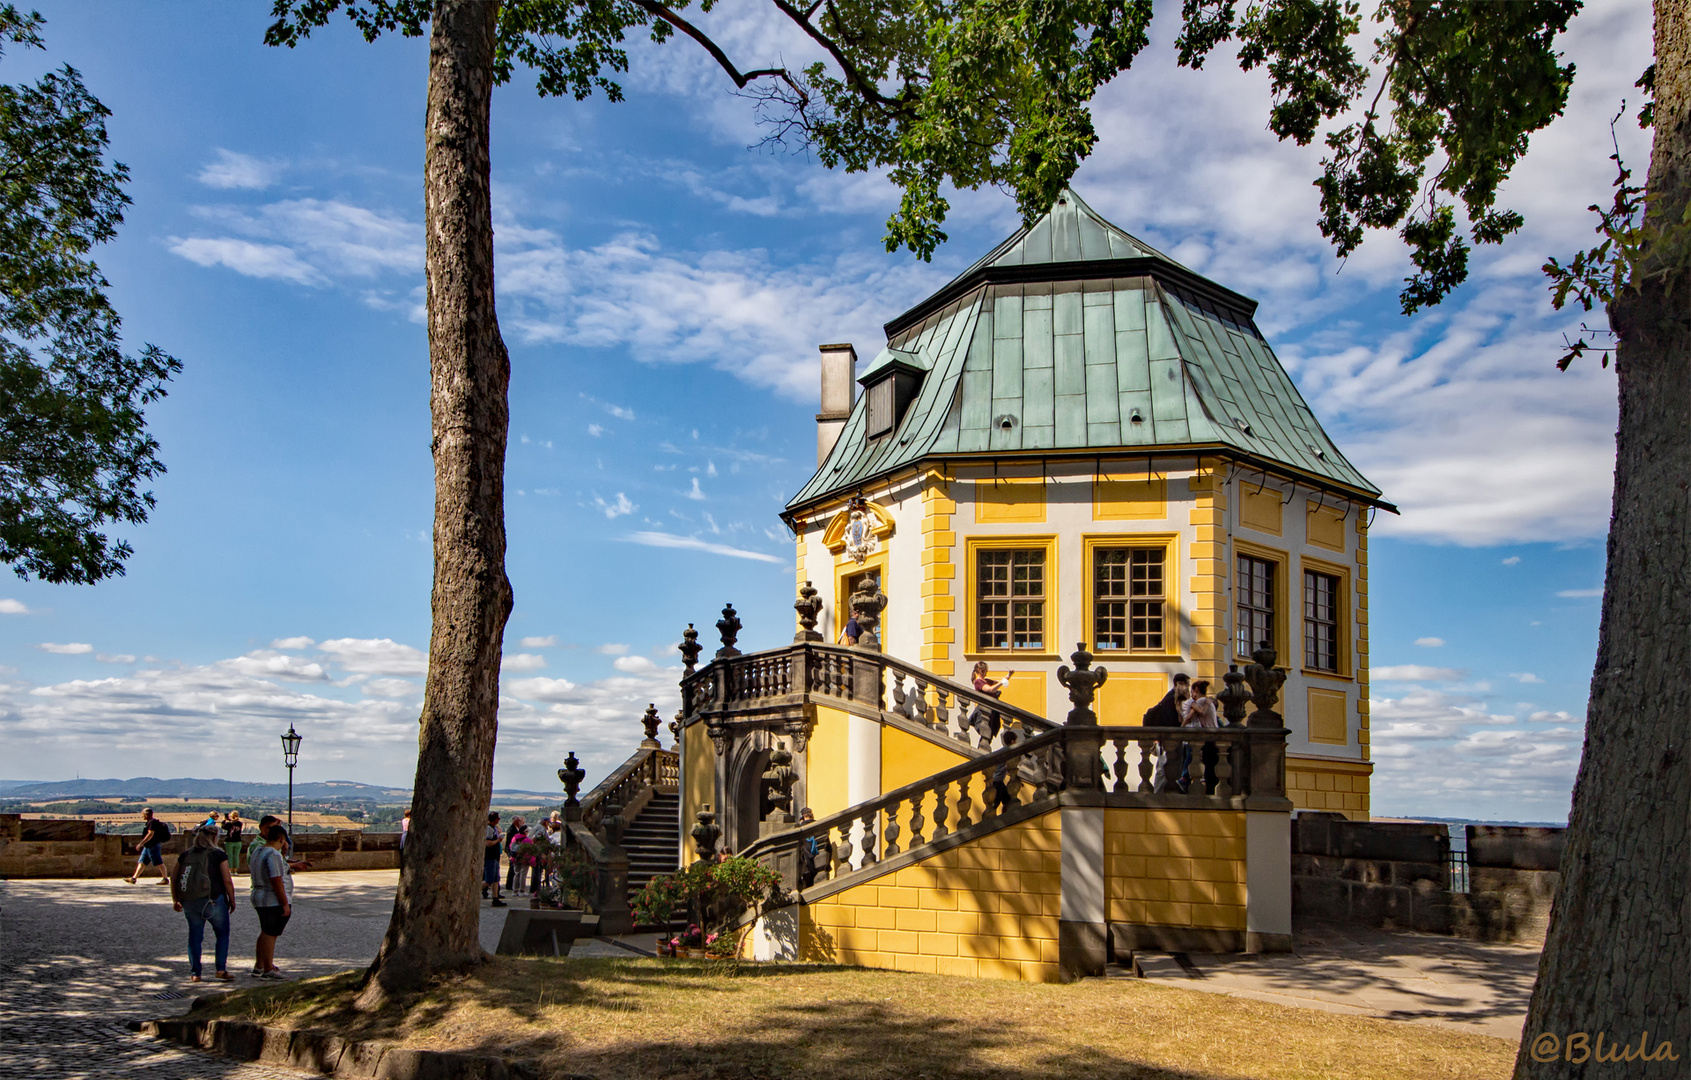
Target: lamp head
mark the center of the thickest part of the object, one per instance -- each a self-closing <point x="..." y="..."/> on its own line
<point x="290" y="747"/>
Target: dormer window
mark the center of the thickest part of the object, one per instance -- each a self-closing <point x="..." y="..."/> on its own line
<point x="890" y="385"/>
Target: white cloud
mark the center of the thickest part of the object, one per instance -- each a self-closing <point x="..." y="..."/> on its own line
<point x="13" y="607"/>
<point x="275" y="261"/>
<point x="595" y="430"/>
<point x="1575" y="594"/>
<point x="1525" y="677"/>
<point x="522" y="662"/>
<point x="116" y="658"/>
<point x="307" y="242"/>
<point x="611" y="648"/>
<point x="539" y="642"/>
<point x="1430" y="642"/>
<point x="376" y="656"/>
<point x="1415" y="673"/>
<point x="619" y="411"/>
<point x="541" y="689"/>
<point x="614" y="510"/>
<point x="695" y="494"/>
<point x="292" y="643"/>
<point x="390" y="688"/>
<point x="242" y="171"/>
<point x="1513" y="560"/>
<point x="267" y="664"/>
<point x="670" y="540"/>
<point x="74" y="648"/>
<point x="634" y="665"/>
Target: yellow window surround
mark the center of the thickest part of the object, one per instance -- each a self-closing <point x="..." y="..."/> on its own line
<point x="972" y="546"/>
<point x="1173" y="616"/>
<point x="844" y="571"/>
<point x="1344" y="606"/>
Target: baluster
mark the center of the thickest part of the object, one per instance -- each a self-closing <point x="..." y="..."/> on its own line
<point x="897" y="691"/>
<point x="842" y="851"/>
<point x="889" y="835"/>
<point x="940" y="811"/>
<point x="1013" y="779"/>
<point x="919" y="704"/>
<point x="942" y="709"/>
<point x="1147" y="762"/>
<point x="1118" y="769"/>
<point x="1203" y="773"/>
<point x="916" y="821"/>
<point x="867" y="843"/>
<point x="1224" y="768"/>
<point x="964" y="802"/>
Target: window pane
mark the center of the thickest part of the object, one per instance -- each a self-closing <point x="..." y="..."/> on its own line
<point x="1321" y="621"/>
<point x="1009" y="599"/>
<point x="1254" y="592"/>
<point x="1127" y="598"/>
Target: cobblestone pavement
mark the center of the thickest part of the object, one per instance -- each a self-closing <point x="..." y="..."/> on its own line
<point x="79" y="959"/>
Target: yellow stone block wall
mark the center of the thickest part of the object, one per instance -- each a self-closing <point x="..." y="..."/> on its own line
<point x="907" y="758"/>
<point x="1175" y="867"/>
<point x="1207" y="557"/>
<point x="1329" y="784"/>
<point x="988" y="909"/>
<point x="938" y="572"/>
<point x="698" y="768"/>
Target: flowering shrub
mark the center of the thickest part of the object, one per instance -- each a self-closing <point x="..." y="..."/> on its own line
<point x="714" y="894"/>
<point x="573" y="882"/>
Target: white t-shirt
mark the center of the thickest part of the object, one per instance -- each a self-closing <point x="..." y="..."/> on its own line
<point x="263" y="864"/>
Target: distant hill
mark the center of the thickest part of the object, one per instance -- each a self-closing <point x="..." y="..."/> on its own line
<point x="151" y="787"/>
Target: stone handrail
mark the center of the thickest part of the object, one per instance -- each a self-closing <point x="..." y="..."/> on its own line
<point x="630" y="784"/>
<point x="775" y="679"/>
<point x="1116" y="766"/>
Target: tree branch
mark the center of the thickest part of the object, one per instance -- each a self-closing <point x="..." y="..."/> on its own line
<point x="741" y="79"/>
<point x="864" y="85"/>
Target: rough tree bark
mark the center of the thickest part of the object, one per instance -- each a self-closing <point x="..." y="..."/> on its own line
<point x="1618" y="957"/>
<point x="436" y="912"/>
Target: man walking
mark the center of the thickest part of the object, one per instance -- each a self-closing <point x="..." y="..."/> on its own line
<point x="153" y="835"/>
<point x="490" y="859"/>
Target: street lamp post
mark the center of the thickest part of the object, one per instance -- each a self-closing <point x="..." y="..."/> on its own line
<point x="290" y="755"/>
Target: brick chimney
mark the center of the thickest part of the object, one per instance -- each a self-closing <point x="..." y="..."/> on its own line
<point x="839" y="390"/>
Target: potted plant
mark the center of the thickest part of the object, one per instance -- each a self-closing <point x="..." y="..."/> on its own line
<point x="571" y="881"/>
<point x="714" y="893"/>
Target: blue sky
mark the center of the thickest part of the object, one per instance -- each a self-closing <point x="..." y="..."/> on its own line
<point x="662" y="291"/>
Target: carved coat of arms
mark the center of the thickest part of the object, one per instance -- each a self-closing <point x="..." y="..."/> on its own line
<point x="860" y="539"/>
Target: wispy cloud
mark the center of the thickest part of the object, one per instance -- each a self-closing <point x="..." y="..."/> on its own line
<point x="522" y="662"/>
<point x="9" y="606"/>
<point x="611" y="648"/>
<point x="1579" y="594"/>
<point x="1525" y="677"/>
<point x="1430" y="642"/>
<point x="1416" y="673"/>
<point x="545" y="642"/>
<point x="1513" y="560"/>
<point x="306" y="241"/>
<point x="694" y="493"/>
<point x="691" y="543"/>
<point x="615" y="509"/>
<point x="74" y="648"/>
<point x="239" y="171"/>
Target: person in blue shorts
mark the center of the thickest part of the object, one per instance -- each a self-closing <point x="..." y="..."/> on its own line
<point x="153" y="835"/>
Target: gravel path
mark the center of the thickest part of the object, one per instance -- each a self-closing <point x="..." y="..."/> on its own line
<point x="79" y="959"/>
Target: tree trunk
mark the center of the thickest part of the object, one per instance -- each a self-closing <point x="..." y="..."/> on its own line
<point x="1618" y="957"/>
<point x="437" y="911"/>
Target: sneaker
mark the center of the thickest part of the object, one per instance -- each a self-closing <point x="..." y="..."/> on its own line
<point x="274" y="974"/>
<point x="132" y="881"/>
<point x="499" y="903"/>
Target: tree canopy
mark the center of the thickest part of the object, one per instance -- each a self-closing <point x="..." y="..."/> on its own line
<point x="74" y="449"/>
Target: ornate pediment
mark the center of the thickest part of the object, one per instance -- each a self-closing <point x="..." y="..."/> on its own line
<point x="858" y="531"/>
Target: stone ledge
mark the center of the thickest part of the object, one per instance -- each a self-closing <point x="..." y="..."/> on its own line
<point x="330" y="1055"/>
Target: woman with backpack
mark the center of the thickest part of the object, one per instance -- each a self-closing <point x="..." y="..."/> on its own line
<point x="203" y="889"/>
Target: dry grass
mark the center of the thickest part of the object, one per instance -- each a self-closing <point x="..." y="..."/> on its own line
<point x="681" y="1020"/>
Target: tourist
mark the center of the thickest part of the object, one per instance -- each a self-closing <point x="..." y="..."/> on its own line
<point x="982" y="720"/>
<point x="272" y="896"/>
<point x="264" y="824"/>
<point x="517" y="877"/>
<point x="404" y="834"/>
<point x="233" y="827"/>
<point x="809" y="848"/>
<point x="1199" y="712"/>
<point x="1000" y="794"/>
<point x="510" y="863"/>
<point x="1166" y="714"/>
<point x="153" y="835"/>
<point x="490" y="859"/>
<point x="850" y="632"/>
<point x="203" y="889"/>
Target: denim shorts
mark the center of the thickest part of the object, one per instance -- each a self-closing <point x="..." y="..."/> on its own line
<point x="152" y="855"/>
<point x="490" y="871"/>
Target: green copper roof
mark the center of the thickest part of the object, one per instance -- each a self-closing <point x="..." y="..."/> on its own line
<point x="1073" y="337"/>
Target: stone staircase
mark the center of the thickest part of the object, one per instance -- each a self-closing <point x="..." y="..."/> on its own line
<point x="651" y="840"/>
